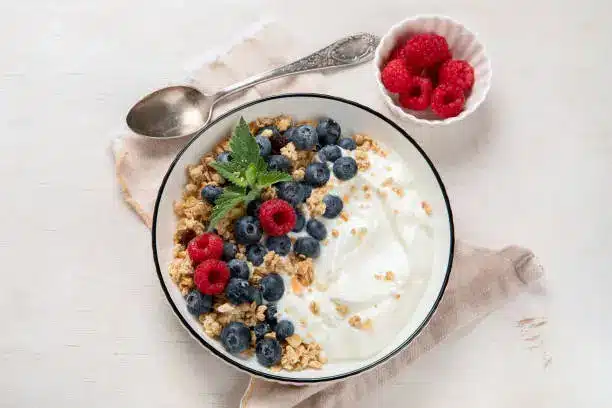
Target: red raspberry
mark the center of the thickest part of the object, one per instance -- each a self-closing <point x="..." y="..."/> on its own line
<point x="426" y="50"/>
<point x="418" y="95"/>
<point x="395" y="76"/>
<point x="277" y="217"/>
<point x="211" y="276"/>
<point x="457" y="72"/>
<point x="447" y="100"/>
<point x="205" y="246"/>
<point x="399" y="52"/>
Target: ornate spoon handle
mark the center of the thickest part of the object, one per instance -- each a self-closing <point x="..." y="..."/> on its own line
<point x="348" y="51"/>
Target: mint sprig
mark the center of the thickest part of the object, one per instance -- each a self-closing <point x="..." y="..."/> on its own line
<point x="247" y="171"/>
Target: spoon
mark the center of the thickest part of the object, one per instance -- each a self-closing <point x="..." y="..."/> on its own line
<point x="183" y="111"/>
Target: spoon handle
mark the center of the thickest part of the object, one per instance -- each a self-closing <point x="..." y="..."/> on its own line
<point x="348" y="51"/>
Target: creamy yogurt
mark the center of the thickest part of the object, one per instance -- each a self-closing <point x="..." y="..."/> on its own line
<point x="387" y="231"/>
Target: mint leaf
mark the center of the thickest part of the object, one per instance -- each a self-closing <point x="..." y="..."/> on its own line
<point x="253" y="194"/>
<point x="245" y="149"/>
<point x="229" y="171"/>
<point x="267" y="178"/>
<point x="251" y="174"/>
<point x="223" y="205"/>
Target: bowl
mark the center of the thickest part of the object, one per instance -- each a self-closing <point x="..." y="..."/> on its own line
<point x="464" y="45"/>
<point x="353" y="117"/>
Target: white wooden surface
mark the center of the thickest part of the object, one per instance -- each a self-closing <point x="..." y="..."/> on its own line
<point x="84" y="323"/>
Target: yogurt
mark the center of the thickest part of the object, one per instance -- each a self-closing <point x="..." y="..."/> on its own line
<point x="376" y="263"/>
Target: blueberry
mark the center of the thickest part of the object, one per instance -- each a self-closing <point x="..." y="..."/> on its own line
<point x="307" y="246"/>
<point x="281" y="245"/>
<point x="253" y="208"/>
<point x="330" y="153"/>
<point x="316" y="229"/>
<point x="238" y="291"/>
<point x="268" y="352"/>
<point x="210" y="193"/>
<point x="261" y="329"/>
<point x="345" y="168"/>
<point x="317" y="174"/>
<point x="290" y="191"/>
<point x="279" y="162"/>
<point x="284" y="329"/>
<point x="304" y="137"/>
<point x="247" y="230"/>
<point x="306" y="191"/>
<point x="333" y="206"/>
<point x="272" y="287"/>
<point x="257" y="296"/>
<point x="224" y="157"/>
<point x="347" y="143"/>
<point x="236" y="337"/>
<point x="270" y="312"/>
<point x="265" y="147"/>
<point x="279" y="140"/>
<point x="238" y="269"/>
<point x="300" y="221"/>
<point x="328" y="131"/>
<point x="255" y="254"/>
<point x="198" y="303"/>
<point x="229" y="251"/>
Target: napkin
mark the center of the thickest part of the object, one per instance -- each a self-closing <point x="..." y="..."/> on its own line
<point x="481" y="279"/>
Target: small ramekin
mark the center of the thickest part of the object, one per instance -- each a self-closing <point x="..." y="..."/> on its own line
<point x="463" y="44"/>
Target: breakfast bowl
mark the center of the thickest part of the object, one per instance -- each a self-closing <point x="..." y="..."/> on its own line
<point x="351" y="347"/>
<point x="463" y="45"/>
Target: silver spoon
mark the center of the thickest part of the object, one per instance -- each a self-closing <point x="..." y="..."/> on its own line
<point x="182" y="111"/>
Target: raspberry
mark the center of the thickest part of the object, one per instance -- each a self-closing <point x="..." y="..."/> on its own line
<point x="395" y="76"/>
<point x="418" y="96"/>
<point x="211" y="276"/>
<point x="447" y="100"/>
<point x="457" y="72"/>
<point x="397" y="53"/>
<point x="205" y="246"/>
<point x="426" y="50"/>
<point x="277" y="217"/>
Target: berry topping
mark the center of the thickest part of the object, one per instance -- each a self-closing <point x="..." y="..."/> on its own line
<point x="253" y="207"/>
<point x="239" y="291"/>
<point x="255" y="254"/>
<point x="316" y="174"/>
<point x="333" y="206"/>
<point x="307" y="246"/>
<point x="198" y="303"/>
<point x="268" y="132"/>
<point x="261" y="329"/>
<point x="328" y="131"/>
<point x="205" y="246"/>
<point x="306" y="191"/>
<point x="277" y="217"/>
<point x="426" y="50"/>
<point x="270" y="314"/>
<point x="257" y="297"/>
<point x="247" y="230"/>
<point x="268" y="352"/>
<point x="210" y="193"/>
<point x="284" y="329"/>
<point x="281" y="245"/>
<point x="211" y="276"/>
<point x="457" y="72"/>
<point x="239" y="269"/>
<point x="236" y="337"/>
<point x="345" y="168"/>
<point x="447" y="100"/>
<point x="418" y="96"/>
<point x="265" y="147"/>
<point x="280" y="140"/>
<point x="291" y="192"/>
<point x="330" y="153"/>
<point x="279" y="163"/>
<point x="229" y="251"/>
<point x="399" y="52"/>
<point x="347" y="143"/>
<point x="224" y="157"/>
<point x="316" y="229"/>
<point x="272" y="287"/>
<point x="304" y="137"/>
<point x="395" y="76"/>
<point x="300" y="221"/>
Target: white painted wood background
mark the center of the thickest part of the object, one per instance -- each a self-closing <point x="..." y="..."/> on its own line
<point x="84" y="322"/>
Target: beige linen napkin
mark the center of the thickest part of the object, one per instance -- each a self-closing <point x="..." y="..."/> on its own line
<point x="481" y="279"/>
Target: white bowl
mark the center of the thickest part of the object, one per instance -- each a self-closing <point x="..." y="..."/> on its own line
<point x="352" y="117"/>
<point x="463" y="45"/>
